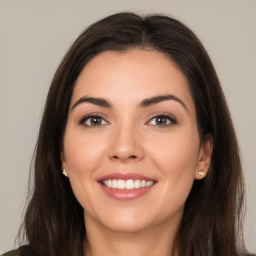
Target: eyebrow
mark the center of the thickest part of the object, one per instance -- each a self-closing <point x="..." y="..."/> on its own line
<point x="96" y="101"/>
<point x="160" y="98"/>
<point x="145" y="103"/>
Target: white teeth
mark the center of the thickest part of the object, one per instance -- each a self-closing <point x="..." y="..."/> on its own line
<point x="149" y="183"/>
<point x="114" y="183"/>
<point x="137" y="184"/>
<point x="121" y="184"/>
<point x="127" y="184"/>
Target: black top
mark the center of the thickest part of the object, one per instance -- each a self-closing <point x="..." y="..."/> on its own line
<point x="24" y="250"/>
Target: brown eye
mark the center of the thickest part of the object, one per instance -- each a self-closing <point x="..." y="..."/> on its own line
<point x="93" y="121"/>
<point x="162" y="120"/>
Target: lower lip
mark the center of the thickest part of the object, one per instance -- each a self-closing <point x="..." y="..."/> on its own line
<point x="125" y="194"/>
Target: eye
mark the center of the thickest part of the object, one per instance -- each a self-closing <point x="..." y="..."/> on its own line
<point x="162" y="120"/>
<point x="93" y="120"/>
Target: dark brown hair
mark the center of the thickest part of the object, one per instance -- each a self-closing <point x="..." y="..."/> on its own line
<point x="54" y="221"/>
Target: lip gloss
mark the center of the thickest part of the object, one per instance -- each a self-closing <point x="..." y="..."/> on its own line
<point x="125" y="194"/>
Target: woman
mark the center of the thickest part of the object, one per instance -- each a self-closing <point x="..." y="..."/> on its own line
<point x="137" y="122"/>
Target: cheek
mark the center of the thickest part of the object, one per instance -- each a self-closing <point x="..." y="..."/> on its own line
<point x="82" y="153"/>
<point x="176" y="159"/>
<point x="177" y="152"/>
<point x="82" y="159"/>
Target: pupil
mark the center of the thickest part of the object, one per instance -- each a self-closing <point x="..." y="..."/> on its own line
<point x="161" y="120"/>
<point x="95" y="120"/>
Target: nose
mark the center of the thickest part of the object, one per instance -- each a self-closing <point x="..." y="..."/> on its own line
<point x="126" y="144"/>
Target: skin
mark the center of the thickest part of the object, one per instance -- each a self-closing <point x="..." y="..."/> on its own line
<point x="128" y="139"/>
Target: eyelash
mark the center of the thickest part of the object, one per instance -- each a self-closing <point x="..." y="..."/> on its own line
<point x="169" y="118"/>
<point x="89" y="116"/>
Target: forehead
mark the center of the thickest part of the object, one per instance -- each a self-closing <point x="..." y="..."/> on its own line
<point x="131" y="75"/>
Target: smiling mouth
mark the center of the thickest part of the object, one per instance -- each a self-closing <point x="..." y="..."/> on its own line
<point x="127" y="184"/>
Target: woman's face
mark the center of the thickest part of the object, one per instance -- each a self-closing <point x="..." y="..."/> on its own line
<point x="131" y="145"/>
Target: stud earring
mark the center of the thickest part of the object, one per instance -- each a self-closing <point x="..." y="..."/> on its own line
<point x="64" y="173"/>
<point x="201" y="173"/>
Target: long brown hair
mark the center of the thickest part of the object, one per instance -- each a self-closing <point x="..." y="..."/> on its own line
<point x="211" y="223"/>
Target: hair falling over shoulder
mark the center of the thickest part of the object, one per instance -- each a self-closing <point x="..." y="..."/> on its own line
<point x="212" y="219"/>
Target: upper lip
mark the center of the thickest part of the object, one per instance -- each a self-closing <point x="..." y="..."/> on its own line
<point x="125" y="176"/>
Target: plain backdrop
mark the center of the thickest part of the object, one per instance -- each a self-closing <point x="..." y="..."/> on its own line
<point x="34" y="36"/>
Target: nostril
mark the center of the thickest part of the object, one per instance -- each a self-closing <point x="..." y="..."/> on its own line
<point x="131" y="157"/>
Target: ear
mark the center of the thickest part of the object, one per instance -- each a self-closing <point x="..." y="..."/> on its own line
<point x="204" y="157"/>
<point x="63" y="164"/>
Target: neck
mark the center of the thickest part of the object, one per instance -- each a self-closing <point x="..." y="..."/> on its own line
<point x="151" y="242"/>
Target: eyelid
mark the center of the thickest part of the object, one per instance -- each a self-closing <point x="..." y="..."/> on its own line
<point x="172" y="119"/>
<point x="95" y="114"/>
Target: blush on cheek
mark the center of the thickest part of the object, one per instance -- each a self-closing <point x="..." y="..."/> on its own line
<point x="82" y="153"/>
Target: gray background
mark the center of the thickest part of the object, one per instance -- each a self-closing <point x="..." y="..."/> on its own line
<point x="34" y="36"/>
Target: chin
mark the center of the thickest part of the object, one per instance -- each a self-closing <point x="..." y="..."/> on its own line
<point x="126" y="221"/>
<point x="127" y="226"/>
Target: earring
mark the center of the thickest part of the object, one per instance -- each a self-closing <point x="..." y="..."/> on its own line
<point x="201" y="173"/>
<point x="64" y="173"/>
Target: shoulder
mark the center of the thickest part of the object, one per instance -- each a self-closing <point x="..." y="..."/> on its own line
<point x="12" y="253"/>
<point x="24" y="250"/>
